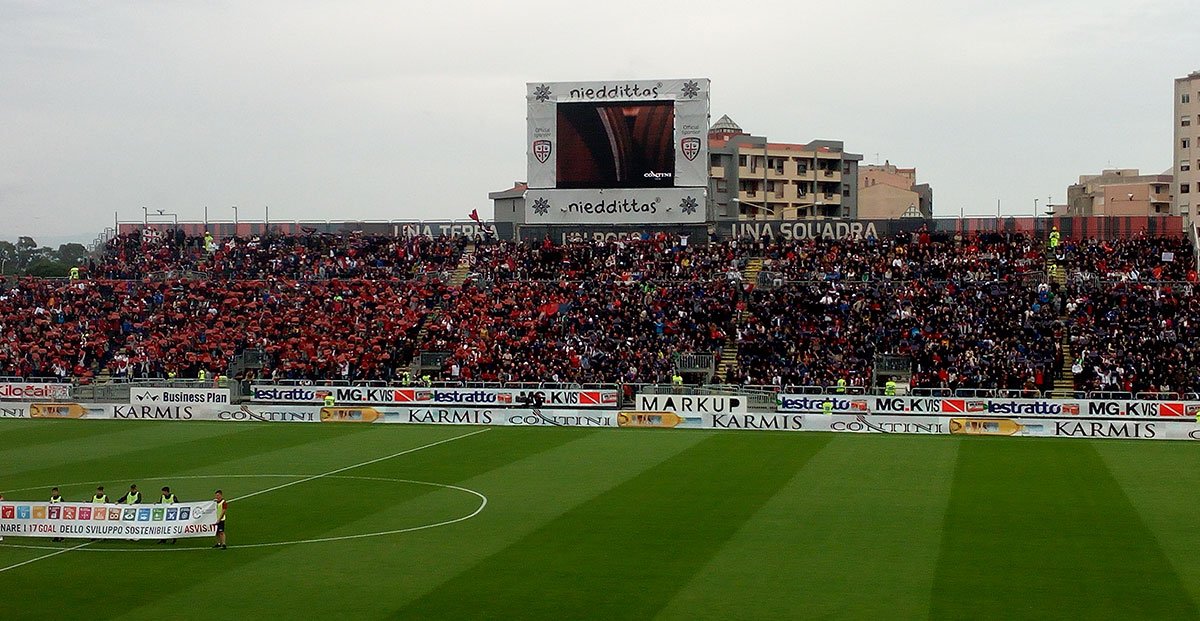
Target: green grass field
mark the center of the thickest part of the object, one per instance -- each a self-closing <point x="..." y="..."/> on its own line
<point x="611" y="524"/>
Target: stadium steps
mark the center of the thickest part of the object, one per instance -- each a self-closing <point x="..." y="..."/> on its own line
<point x="1065" y="383"/>
<point x="457" y="278"/>
<point x="729" y="352"/>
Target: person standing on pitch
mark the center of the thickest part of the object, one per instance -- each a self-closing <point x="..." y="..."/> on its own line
<point x="100" y="498"/>
<point x="219" y="498"/>
<point x="132" y="497"/>
<point x="168" y="498"/>
<point x="55" y="498"/>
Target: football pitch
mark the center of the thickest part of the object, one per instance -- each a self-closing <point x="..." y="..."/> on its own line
<point x="341" y="521"/>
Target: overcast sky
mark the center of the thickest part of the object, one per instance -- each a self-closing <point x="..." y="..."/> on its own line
<point x="397" y="110"/>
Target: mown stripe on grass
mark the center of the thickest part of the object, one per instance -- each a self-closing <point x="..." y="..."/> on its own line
<point x="853" y="535"/>
<point x="1040" y="528"/>
<point x="1160" y="479"/>
<point x="243" y="579"/>
<point x="158" y="449"/>
<point x="545" y="476"/>
<point x="626" y="552"/>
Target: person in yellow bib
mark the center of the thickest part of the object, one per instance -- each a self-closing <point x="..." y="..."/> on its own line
<point x="55" y="498"/>
<point x="222" y="506"/>
<point x="132" y="497"/>
<point x="329" y="400"/>
<point x="168" y="498"/>
<point x="100" y="498"/>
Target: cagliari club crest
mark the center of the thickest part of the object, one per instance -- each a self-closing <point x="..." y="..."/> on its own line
<point x="541" y="150"/>
<point x="690" y="147"/>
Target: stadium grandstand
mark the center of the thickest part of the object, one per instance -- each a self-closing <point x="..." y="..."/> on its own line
<point x="933" y="310"/>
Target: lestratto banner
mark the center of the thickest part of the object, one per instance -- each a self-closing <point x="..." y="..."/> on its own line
<point x="107" y="521"/>
<point x="433" y="396"/>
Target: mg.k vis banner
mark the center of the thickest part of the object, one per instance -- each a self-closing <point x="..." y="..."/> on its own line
<point x="416" y="396"/>
<point x="107" y="521"/>
<point x="870" y="404"/>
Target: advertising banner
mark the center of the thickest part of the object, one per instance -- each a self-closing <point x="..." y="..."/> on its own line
<point x="179" y="396"/>
<point x="109" y="521"/>
<point x="14" y="410"/>
<point x="801" y="403"/>
<point x="659" y="207"/>
<point x="30" y="391"/>
<point x="69" y="410"/>
<point x="494" y="397"/>
<point x="469" y="416"/>
<point x="692" y="405"/>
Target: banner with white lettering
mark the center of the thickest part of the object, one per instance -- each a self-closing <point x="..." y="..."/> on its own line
<point x="981" y="406"/>
<point x="29" y="391"/>
<point x="434" y="396"/>
<point x="107" y="521"/>
<point x="179" y="396"/>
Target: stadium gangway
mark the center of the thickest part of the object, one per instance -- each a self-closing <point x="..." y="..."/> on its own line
<point x="930" y="392"/>
<point x="1112" y="395"/>
<point x="1158" y="396"/>
<point x="845" y="390"/>
<point x="803" y="390"/>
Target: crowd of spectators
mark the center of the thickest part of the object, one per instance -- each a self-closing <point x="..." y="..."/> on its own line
<point x="969" y="312"/>
<point x="299" y="257"/>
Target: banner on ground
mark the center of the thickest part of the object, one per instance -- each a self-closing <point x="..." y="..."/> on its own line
<point x="470" y="416"/>
<point x="867" y="404"/>
<point x="415" y="396"/>
<point x="30" y="391"/>
<point x="179" y="396"/>
<point x="108" y="521"/>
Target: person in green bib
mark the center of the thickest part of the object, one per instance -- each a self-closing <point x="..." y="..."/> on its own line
<point x="329" y="400"/>
<point x="100" y="498"/>
<point x="827" y="407"/>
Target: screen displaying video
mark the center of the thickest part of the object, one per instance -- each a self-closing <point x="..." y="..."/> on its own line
<point x="628" y="144"/>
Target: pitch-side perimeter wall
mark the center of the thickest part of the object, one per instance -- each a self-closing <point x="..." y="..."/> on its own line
<point x="727" y="418"/>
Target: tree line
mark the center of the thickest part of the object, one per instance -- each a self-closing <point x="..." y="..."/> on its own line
<point x="26" y="258"/>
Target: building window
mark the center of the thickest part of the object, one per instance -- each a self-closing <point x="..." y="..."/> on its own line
<point x="714" y="160"/>
<point x="846" y="168"/>
<point x="1186" y="98"/>
<point x="1184" y="188"/>
<point x="1184" y="165"/>
<point x="722" y="185"/>
<point x="1185" y="121"/>
<point x="1186" y="143"/>
<point x="742" y="160"/>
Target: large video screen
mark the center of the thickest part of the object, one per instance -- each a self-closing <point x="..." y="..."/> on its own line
<point x="618" y="152"/>
<point x="628" y="144"/>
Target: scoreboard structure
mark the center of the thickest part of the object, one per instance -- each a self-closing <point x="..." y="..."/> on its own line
<point x="618" y="152"/>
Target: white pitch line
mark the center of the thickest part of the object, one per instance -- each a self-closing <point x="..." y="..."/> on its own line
<point x="279" y="487"/>
<point x="365" y="463"/>
<point x="44" y="556"/>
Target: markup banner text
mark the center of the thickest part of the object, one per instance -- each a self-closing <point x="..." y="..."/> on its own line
<point x="107" y="521"/>
<point x="419" y="396"/>
<point x="866" y="404"/>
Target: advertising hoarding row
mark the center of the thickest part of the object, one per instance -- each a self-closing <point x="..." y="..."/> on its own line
<point x="869" y="404"/>
<point x="709" y="414"/>
<point x="498" y="397"/>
